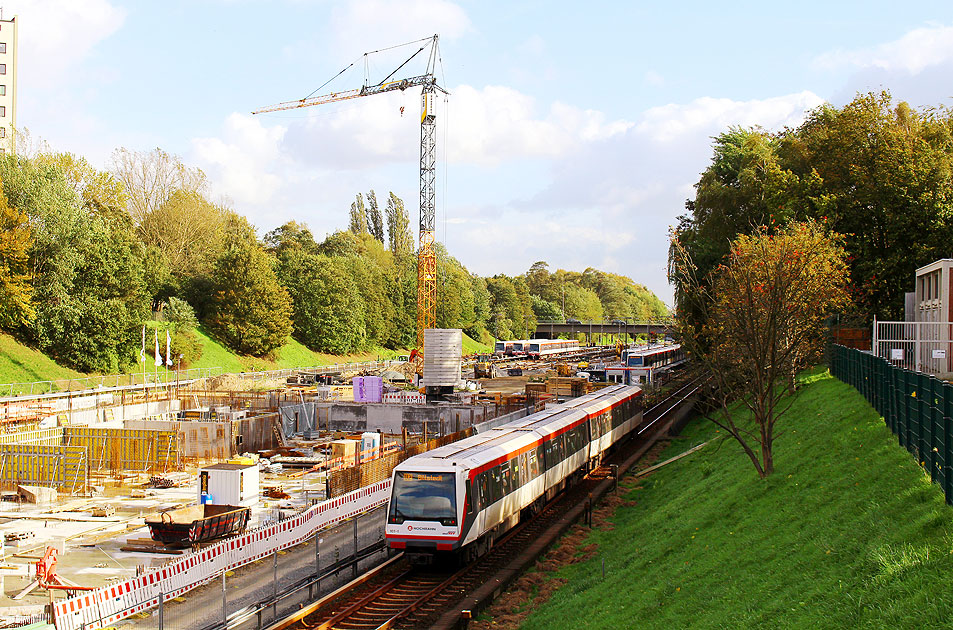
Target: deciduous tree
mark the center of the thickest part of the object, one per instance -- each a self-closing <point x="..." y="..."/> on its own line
<point x="764" y="313"/>
<point x="16" y="290"/>
<point x="248" y="310"/>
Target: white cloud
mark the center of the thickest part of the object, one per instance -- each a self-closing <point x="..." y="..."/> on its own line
<point x="57" y="35"/>
<point x="498" y="123"/>
<point x="486" y="127"/>
<point x="240" y="164"/>
<point x="674" y="121"/>
<point x="917" y="50"/>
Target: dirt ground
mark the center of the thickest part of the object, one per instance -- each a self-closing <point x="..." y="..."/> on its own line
<point x="538" y="584"/>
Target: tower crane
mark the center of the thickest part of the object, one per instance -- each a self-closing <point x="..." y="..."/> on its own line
<point x="426" y="255"/>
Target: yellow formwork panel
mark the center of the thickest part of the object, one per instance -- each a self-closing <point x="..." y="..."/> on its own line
<point x="62" y="467"/>
<point x="142" y="450"/>
<point x="45" y="437"/>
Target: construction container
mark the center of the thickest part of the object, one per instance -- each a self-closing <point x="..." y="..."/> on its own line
<point x="443" y="357"/>
<point x="370" y="445"/>
<point x="346" y="450"/>
<point x="232" y="484"/>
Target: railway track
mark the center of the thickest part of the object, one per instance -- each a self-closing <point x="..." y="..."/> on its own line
<point x="418" y="598"/>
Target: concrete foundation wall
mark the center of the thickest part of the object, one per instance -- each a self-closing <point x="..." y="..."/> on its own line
<point x="388" y="418"/>
<point x="118" y="413"/>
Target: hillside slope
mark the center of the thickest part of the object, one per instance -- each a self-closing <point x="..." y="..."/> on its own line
<point x="21" y="364"/>
<point x="848" y="533"/>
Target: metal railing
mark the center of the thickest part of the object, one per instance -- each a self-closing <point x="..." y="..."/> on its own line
<point x="110" y="381"/>
<point x="167" y="377"/>
<point x="917" y="407"/>
<point x="918" y="346"/>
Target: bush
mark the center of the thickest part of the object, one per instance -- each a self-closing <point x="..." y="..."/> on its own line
<point x="180" y="314"/>
<point x="186" y="343"/>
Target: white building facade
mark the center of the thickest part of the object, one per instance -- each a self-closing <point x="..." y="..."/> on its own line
<point x="8" y="84"/>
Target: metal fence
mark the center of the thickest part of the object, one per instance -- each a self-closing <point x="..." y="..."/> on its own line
<point x="171" y="377"/>
<point x="918" y="346"/>
<point x="917" y="407"/>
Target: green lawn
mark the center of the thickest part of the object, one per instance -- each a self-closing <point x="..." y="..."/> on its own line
<point x="20" y="364"/>
<point x="848" y="533"/>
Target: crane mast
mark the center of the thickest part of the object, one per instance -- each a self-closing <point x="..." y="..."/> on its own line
<point x="426" y="254"/>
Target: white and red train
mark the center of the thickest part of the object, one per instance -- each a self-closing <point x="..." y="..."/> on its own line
<point x="458" y="498"/>
<point x="535" y="348"/>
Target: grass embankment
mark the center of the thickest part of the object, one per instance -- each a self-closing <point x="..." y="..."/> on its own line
<point x="21" y="364"/>
<point x="848" y="533"/>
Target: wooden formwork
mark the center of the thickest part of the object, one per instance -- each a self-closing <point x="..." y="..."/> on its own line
<point x="134" y="450"/>
<point x="61" y="467"/>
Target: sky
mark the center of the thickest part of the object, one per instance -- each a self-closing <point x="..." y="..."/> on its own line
<point x="573" y="132"/>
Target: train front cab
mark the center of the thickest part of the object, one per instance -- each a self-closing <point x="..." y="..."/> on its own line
<point x="427" y="512"/>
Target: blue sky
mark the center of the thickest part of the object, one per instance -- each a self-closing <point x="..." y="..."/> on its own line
<point x="573" y="134"/>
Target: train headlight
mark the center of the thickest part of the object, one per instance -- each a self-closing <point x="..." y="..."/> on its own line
<point x="448" y="521"/>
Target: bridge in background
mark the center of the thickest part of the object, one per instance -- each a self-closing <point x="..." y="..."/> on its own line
<point x="552" y="330"/>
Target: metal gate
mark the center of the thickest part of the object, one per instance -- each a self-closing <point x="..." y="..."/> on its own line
<point x="917" y="346"/>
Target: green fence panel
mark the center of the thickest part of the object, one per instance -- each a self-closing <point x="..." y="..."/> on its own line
<point x="946" y="450"/>
<point x="932" y="431"/>
<point x="917" y="407"/>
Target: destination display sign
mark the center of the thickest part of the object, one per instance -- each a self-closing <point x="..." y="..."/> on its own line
<point x="421" y="476"/>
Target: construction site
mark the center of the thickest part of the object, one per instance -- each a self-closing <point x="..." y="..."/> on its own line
<point x="83" y="473"/>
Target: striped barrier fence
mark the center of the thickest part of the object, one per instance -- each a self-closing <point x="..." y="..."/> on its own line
<point x="105" y="606"/>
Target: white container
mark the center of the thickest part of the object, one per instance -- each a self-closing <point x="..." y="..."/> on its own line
<point x="443" y="356"/>
<point x="229" y="484"/>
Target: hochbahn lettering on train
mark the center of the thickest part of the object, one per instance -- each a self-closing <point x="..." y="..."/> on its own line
<point x="459" y="498"/>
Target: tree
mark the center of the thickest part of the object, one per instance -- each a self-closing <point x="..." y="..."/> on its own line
<point x="357" y="218"/>
<point x="188" y="230"/>
<point x="764" y="315"/>
<point x="86" y="268"/>
<point x="545" y="310"/>
<point x="248" y="310"/>
<point x="328" y="309"/>
<point x="151" y="178"/>
<point x="375" y="222"/>
<point x="16" y="291"/>
<point x="400" y="240"/>
<point x="881" y="176"/>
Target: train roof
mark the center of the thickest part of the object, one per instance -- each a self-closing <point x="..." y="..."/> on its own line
<point x="482" y="448"/>
<point x="653" y="349"/>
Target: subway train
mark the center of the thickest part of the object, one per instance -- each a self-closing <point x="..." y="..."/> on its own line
<point x="457" y="499"/>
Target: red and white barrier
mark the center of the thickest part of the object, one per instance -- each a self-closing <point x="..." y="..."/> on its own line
<point x="98" y="609"/>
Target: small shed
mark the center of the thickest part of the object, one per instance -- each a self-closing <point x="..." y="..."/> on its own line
<point x="228" y="484"/>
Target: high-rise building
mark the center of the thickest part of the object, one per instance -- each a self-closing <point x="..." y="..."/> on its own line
<point x="8" y="84"/>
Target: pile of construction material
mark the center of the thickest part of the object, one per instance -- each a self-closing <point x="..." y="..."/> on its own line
<point x="568" y="386"/>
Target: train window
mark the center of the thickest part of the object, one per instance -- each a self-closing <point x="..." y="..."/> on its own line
<point x="540" y="458"/>
<point x="423" y="496"/>
<point x="533" y="463"/>
<point x="506" y="476"/>
<point x="483" y="480"/>
<point x="550" y="452"/>
<point x="496" y="485"/>
<point x="523" y="476"/>
<point x="469" y="498"/>
<point x="560" y="447"/>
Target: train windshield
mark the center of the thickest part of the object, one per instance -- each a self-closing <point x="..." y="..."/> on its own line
<point x="423" y="496"/>
<point x="500" y="346"/>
